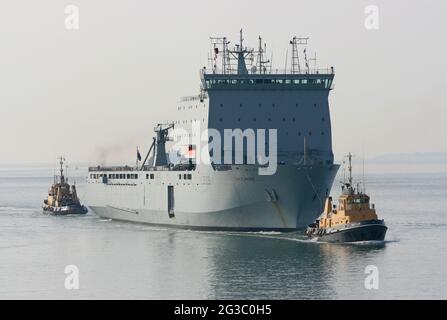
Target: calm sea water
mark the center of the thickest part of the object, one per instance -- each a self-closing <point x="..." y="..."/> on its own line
<point x="136" y="261"/>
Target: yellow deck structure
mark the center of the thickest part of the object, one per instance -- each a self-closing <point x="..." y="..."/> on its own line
<point x="353" y="206"/>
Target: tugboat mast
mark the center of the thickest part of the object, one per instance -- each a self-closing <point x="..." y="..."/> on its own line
<point x="348" y="185"/>
<point x="61" y="162"/>
<point x="349" y="156"/>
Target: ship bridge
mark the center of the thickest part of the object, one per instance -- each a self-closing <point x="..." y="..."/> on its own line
<point x="319" y="79"/>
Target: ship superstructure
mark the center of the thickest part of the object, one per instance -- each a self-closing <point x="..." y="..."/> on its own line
<point x="240" y="91"/>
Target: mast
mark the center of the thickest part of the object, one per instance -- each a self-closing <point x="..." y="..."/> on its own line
<point x="240" y="53"/>
<point x="296" y="67"/>
<point x="349" y="156"/>
<point x="224" y="52"/>
<point x="260" y="57"/>
<point x="260" y="52"/>
<point x="61" y="162"/>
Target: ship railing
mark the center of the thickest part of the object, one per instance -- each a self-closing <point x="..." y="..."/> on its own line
<point x="268" y="71"/>
<point x="199" y="97"/>
<point x="177" y="167"/>
<point x="111" y="168"/>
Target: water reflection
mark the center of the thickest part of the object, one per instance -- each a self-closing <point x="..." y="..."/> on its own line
<point x="284" y="267"/>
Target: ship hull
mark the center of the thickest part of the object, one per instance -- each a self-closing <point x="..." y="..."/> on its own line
<point x="238" y="199"/>
<point x="374" y="230"/>
<point x="65" y="210"/>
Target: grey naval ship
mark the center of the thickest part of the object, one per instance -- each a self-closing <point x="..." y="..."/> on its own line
<point x="239" y="90"/>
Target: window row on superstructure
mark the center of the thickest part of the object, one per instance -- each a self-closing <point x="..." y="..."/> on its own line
<point x="316" y="82"/>
<point x="151" y="176"/>
<point x="114" y="175"/>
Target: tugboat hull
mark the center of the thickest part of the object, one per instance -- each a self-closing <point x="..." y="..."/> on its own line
<point x="66" y="210"/>
<point x="365" y="231"/>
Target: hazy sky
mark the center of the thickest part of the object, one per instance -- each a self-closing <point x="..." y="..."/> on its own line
<point x="102" y="88"/>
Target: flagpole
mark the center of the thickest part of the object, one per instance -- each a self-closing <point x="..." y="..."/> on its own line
<point x="136" y="162"/>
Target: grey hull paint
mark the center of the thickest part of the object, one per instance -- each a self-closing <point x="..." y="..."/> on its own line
<point x="238" y="200"/>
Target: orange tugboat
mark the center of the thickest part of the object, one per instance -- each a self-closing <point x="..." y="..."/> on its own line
<point x="62" y="198"/>
<point x="354" y="219"/>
